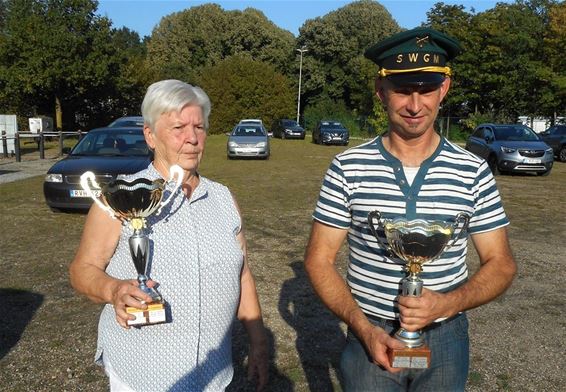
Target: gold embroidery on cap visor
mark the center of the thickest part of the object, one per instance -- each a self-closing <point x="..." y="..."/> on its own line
<point x="444" y="70"/>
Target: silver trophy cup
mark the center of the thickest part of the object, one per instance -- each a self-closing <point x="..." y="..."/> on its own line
<point x="132" y="202"/>
<point x="416" y="242"/>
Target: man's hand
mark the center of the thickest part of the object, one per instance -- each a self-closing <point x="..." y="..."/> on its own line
<point x="378" y="343"/>
<point x="126" y="293"/>
<point x="418" y="312"/>
<point x="258" y="363"/>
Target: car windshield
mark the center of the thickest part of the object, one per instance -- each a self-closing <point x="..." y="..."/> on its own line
<point x="129" y="121"/>
<point x="331" y="125"/>
<point x="289" y="123"/>
<point x="127" y="143"/>
<point x="518" y="134"/>
<point x="248" y="131"/>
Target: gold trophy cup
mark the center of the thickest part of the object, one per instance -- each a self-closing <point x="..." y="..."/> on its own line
<point x="416" y="242"/>
<point x="132" y="202"/>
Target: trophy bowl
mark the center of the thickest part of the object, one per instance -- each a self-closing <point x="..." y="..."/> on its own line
<point x="133" y="199"/>
<point x="417" y="241"/>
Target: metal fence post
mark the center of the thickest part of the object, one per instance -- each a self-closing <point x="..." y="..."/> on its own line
<point x="5" y="144"/>
<point x="17" y="147"/>
<point x="41" y="146"/>
<point x="61" y="143"/>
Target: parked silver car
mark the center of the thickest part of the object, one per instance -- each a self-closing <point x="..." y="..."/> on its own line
<point x="248" y="140"/>
<point x="511" y="148"/>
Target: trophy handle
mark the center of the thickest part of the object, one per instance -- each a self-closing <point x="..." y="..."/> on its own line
<point x="175" y="173"/>
<point x="376" y="215"/>
<point x="460" y="226"/>
<point x="89" y="176"/>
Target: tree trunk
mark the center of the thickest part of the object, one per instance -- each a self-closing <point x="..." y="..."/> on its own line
<point x="58" y="114"/>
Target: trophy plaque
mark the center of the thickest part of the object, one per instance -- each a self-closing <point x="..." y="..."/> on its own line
<point x="415" y="242"/>
<point x="132" y="202"/>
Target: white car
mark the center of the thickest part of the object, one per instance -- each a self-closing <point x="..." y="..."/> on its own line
<point x="251" y="121"/>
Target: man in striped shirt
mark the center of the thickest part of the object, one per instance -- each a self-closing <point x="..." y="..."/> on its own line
<point x="410" y="172"/>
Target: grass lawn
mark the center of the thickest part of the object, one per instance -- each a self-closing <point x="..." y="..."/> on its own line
<point x="48" y="333"/>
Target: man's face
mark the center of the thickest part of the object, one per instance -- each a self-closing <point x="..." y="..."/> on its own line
<point x="179" y="138"/>
<point x="411" y="110"/>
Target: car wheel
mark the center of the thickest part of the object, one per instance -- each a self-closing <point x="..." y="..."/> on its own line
<point x="56" y="210"/>
<point x="282" y="135"/>
<point x="544" y="173"/>
<point x="562" y="154"/>
<point x="492" y="162"/>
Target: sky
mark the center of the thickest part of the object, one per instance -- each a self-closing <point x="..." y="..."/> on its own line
<point x="143" y="15"/>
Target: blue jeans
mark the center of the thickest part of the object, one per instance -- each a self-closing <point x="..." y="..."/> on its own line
<point x="448" y="371"/>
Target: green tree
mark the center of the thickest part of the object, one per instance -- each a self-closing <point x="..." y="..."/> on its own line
<point x="503" y="72"/>
<point x="55" y="56"/>
<point x="554" y="49"/>
<point x="133" y="76"/>
<point x="239" y="87"/>
<point x="334" y="66"/>
<point x="202" y="36"/>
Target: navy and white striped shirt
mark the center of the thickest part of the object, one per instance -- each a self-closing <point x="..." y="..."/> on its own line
<point x="367" y="178"/>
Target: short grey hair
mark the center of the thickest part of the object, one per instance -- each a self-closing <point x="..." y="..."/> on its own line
<point x="172" y="95"/>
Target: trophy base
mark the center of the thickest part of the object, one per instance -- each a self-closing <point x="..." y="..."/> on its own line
<point x="410" y="358"/>
<point x="154" y="314"/>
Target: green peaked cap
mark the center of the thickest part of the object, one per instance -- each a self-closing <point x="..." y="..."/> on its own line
<point x="415" y="57"/>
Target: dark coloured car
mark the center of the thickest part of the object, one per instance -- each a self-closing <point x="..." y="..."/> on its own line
<point x="248" y="140"/>
<point x="555" y="137"/>
<point x="131" y="121"/>
<point x="287" y="129"/>
<point x="107" y="152"/>
<point x="330" y="132"/>
<point x="511" y="148"/>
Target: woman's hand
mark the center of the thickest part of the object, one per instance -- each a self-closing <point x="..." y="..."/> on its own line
<point x="126" y="293"/>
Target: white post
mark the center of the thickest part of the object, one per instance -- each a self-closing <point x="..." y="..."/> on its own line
<point x="301" y="51"/>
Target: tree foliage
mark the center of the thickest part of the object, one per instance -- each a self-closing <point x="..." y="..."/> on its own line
<point x="202" y="36"/>
<point x="334" y="66"/>
<point x="239" y="87"/>
<point x="61" y="52"/>
<point x="506" y="68"/>
<point x="58" y="55"/>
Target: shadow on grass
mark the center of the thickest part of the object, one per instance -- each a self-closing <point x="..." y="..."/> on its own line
<point x="17" y="308"/>
<point x="319" y="338"/>
<point x="240" y="383"/>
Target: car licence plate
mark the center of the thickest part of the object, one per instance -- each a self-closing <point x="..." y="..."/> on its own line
<point x="530" y="160"/>
<point x="247" y="150"/>
<point x="83" y="193"/>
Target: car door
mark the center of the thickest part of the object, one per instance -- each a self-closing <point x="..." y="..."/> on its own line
<point x="477" y="143"/>
<point x="552" y="138"/>
<point x="316" y="133"/>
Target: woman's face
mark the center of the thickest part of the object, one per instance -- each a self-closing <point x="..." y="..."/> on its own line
<point x="179" y="139"/>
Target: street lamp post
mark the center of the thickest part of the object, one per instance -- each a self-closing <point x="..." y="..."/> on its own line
<point x="301" y="51"/>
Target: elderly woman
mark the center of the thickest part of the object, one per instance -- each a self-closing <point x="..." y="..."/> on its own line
<point x="198" y="257"/>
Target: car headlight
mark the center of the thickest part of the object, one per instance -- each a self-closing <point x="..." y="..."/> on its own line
<point x="549" y="150"/>
<point x="508" y="150"/>
<point x="260" y="144"/>
<point x="232" y="144"/>
<point x="53" y="177"/>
